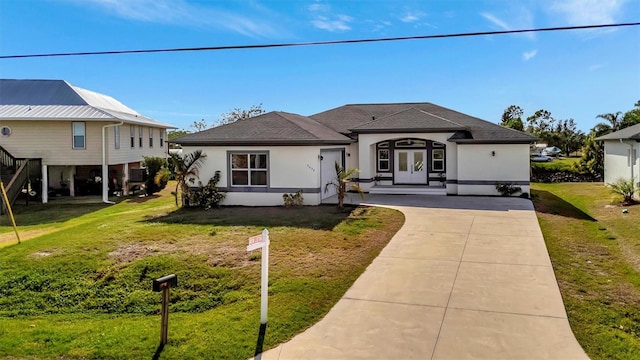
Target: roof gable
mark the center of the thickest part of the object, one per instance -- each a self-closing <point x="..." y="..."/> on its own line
<point x="411" y="119"/>
<point x="272" y="128"/>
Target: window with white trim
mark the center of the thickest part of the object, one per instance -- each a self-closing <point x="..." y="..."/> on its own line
<point x="437" y="159"/>
<point x="161" y="137"/>
<point x="79" y="135"/>
<point x="150" y="137"/>
<point x="132" y="132"/>
<point x="140" y="136"/>
<point x="248" y="169"/>
<point x="116" y="136"/>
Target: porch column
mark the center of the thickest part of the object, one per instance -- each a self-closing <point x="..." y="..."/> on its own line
<point x="125" y="179"/>
<point x="45" y="184"/>
<point x="72" y="181"/>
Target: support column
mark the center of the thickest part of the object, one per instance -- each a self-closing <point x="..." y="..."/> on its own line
<point x="72" y="181"/>
<point x="45" y="184"/>
<point x="125" y="179"/>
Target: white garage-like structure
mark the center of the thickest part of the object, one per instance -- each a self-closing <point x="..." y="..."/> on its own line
<point x="400" y="148"/>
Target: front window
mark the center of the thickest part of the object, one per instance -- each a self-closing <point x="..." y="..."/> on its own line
<point x="248" y="169"/>
<point x="116" y="136"/>
<point x="140" y="137"/>
<point x="132" y="131"/>
<point x="161" y="137"/>
<point x="383" y="160"/>
<point x="150" y="137"/>
<point x="79" y="135"/>
<point x="437" y="160"/>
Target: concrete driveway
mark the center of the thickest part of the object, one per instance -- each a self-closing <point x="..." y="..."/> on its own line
<point x="464" y="278"/>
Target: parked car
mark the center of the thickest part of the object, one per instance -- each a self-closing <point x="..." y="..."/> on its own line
<point x="552" y="151"/>
<point x="541" y="158"/>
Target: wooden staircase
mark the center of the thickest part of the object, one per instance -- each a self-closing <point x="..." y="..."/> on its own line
<point x="16" y="174"/>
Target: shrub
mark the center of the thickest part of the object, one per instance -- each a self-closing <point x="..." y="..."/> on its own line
<point x="208" y="196"/>
<point x="157" y="174"/>
<point x="507" y="189"/>
<point x="626" y="188"/>
<point x="293" y="200"/>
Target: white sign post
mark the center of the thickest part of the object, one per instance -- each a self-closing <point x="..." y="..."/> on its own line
<point x="257" y="242"/>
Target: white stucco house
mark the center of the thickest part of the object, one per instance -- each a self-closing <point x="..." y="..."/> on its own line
<point x="399" y="148"/>
<point x="621" y="154"/>
<point x="74" y="137"/>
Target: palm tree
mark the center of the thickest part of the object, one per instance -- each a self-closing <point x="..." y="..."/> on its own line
<point x="340" y="182"/>
<point x="614" y="121"/>
<point x="184" y="168"/>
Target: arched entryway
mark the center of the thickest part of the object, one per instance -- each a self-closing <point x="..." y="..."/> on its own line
<point x="411" y="161"/>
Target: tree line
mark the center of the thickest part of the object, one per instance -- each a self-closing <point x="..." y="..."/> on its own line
<point x="564" y="133"/>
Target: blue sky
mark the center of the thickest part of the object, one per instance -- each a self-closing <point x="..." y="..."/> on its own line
<point x="573" y="74"/>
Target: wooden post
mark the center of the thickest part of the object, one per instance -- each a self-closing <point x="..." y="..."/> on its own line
<point x="164" y="327"/>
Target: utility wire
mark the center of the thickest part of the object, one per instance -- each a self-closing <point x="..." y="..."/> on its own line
<point x="314" y="43"/>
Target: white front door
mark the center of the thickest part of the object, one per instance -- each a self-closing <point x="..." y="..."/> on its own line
<point x="410" y="166"/>
<point x="328" y="171"/>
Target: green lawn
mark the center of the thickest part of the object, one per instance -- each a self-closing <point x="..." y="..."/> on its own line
<point x="595" y="251"/>
<point x="559" y="164"/>
<point x="79" y="286"/>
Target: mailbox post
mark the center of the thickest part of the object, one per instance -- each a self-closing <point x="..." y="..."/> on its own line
<point x="163" y="284"/>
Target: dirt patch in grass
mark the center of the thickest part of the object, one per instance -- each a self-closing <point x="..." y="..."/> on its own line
<point x="10" y="237"/>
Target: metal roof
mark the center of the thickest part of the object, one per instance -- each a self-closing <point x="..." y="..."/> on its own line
<point x="59" y="100"/>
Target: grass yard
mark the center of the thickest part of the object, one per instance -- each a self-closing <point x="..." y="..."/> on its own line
<point x="595" y="251"/>
<point x="80" y="286"/>
<point x="559" y="164"/>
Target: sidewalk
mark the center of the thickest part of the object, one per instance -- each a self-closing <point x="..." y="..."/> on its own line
<point x="465" y="278"/>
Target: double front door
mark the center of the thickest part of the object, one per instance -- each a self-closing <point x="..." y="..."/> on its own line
<point x="410" y="166"/>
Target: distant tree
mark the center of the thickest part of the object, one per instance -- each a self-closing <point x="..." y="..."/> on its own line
<point x="174" y="134"/>
<point x="512" y="118"/>
<point x="567" y="136"/>
<point x="240" y="114"/>
<point x="592" y="160"/>
<point x="541" y="125"/>
<point x="199" y="125"/>
<point x="184" y="168"/>
<point x="614" y="121"/>
<point x="632" y="116"/>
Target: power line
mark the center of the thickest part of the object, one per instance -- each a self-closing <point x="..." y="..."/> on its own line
<point x="314" y="43"/>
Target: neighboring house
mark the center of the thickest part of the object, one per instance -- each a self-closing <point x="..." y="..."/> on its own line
<point x="621" y="154"/>
<point x="403" y="148"/>
<point x="78" y="138"/>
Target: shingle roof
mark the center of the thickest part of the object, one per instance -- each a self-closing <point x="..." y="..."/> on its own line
<point x="409" y="120"/>
<point x="273" y="128"/>
<point x="57" y="99"/>
<point x="632" y="132"/>
<point x="353" y="116"/>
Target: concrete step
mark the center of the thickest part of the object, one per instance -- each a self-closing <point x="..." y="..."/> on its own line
<point x="408" y="190"/>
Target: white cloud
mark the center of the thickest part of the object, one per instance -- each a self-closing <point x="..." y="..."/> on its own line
<point x="528" y="55"/>
<point x="498" y="22"/>
<point x="183" y="13"/>
<point x="325" y="20"/>
<point x="520" y="15"/>
<point x="410" y="17"/>
<point x="587" y="12"/>
<point x="340" y="23"/>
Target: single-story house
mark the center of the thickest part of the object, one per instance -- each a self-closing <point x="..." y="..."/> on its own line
<point x="621" y="154"/>
<point x="399" y="148"/>
<point x="81" y="142"/>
